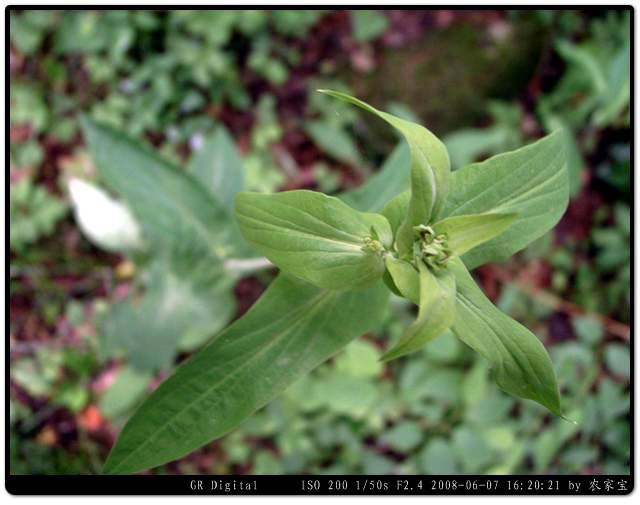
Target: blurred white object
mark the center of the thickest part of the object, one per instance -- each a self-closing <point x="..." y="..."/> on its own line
<point x="106" y="222"/>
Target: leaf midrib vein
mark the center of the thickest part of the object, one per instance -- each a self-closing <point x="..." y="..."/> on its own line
<point x="310" y="306"/>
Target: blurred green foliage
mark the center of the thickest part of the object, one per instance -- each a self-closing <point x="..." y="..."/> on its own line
<point x="33" y="212"/>
<point x="595" y="87"/>
<point x="149" y="69"/>
<point x="164" y="77"/>
<point x="183" y="293"/>
<point x="368" y="25"/>
<point x="63" y="377"/>
<point x="470" y="144"/>
<point x="262" y="172"/>
<point x="594" y="91"/>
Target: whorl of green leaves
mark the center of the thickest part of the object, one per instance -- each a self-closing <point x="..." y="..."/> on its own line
<point x="338" y="256"/>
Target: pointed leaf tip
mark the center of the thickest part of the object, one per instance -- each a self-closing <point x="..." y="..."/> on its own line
<point x="437" y="297"/>
<point x="520" y="363"/>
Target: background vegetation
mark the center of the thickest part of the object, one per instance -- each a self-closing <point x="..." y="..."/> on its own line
<point x="240" y="83"/>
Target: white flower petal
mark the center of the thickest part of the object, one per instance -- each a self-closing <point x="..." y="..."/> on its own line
<point x="106" y="222"/>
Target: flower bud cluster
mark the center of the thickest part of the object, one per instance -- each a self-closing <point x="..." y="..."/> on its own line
<point x="430" y="247"/>
<point x="372" y="245"/>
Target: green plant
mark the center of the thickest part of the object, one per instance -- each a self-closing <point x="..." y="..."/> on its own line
<point x="591" y="95"/>
<point x="595" y="88"/>
<point x="333" y="258"/>
<point x="33" y="213"/>
<point x="330" y="124"/>
<point x="262" y="171"/>
<point x="183" y="292"/>
<point x="144" y="71"/>
<point x="468" y="144"/>
<point x="611" y="269"/>
<point x="367" y="25"/>
<point x="594" y="91"/>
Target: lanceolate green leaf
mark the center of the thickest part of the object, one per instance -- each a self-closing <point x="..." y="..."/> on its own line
<point x="421" y="141"/>
<point x="171" y="206"/>
<point x="334" y="141"/>
<point x="186" y="300"/>
<point x="396" y="210"/>
<point x="531" y="182"/>
<point x="616" y="97"/>
<point x="315" y="237"/>
<point x="405" y="278"/>
<point x="292" y="328"/>
<point x="218" y="167"/>
<point x="430" y="169"/>
<point x="435" y="315"/>
<point x="466" y="232"/>
<point x="188" y="293"/>
<point x="422" y="205"/>
<point x="392" y="179"/>
<point x="520" y="363"/>
<point x="572" y="155"/>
